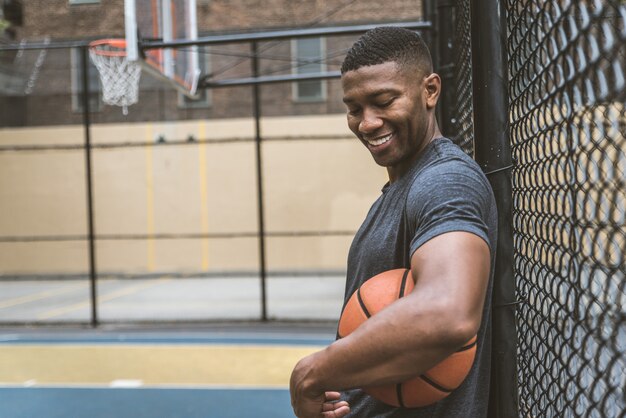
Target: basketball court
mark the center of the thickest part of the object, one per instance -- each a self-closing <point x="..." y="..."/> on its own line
<point x="220" y="371"/>
<point x="180" y="190"/>
<point x="163" y="345"/>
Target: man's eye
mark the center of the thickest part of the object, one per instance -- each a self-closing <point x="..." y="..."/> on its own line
<point x="386" y="103"/>
<point x="354" y="112"/>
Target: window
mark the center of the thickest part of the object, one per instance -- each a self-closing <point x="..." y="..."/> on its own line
<point x="95" y="102"/>
<point x="84" y="1"/>
<point x="204" y="95"/>
<point x="309" y="54"/>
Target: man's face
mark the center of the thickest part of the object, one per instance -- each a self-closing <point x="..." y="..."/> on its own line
<point x="388" y="110"/>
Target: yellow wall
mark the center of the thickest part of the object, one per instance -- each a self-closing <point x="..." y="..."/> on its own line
<point x="317" y="178"/>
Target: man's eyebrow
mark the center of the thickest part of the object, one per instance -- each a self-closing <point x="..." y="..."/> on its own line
<point x="373" y="95"/>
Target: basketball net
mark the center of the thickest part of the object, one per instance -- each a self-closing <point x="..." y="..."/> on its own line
<point x="119" y="77"/>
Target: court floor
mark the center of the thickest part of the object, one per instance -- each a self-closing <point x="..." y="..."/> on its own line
<point x="221" y="371"/>
<point x="167" y="298"/>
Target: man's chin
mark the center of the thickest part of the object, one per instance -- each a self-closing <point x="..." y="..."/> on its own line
<point x="383" y="159"/>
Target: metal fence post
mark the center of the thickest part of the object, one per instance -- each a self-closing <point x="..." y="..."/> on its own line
<point x="445" y="63"/>
<point x="89" y="184"/>
<point x="259" y="170"/>
<point x="493" y="153"/>
<point x="429" y="11"/>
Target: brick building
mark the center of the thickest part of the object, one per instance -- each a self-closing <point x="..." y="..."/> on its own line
<point x="54" y="75"/>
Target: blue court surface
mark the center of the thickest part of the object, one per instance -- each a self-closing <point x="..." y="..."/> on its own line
<point x="222" y="372"/>
<point x="143" y="403"/>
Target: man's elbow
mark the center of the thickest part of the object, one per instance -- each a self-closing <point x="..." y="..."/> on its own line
<point x="458" y="327"/>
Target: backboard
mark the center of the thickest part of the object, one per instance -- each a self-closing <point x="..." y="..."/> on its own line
<point x="164" y="20"/>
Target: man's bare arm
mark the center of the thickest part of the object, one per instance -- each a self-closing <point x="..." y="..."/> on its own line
<point x="413" y="334"/>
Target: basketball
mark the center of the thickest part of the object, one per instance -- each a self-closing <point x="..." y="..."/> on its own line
<point x="430" y="387"/>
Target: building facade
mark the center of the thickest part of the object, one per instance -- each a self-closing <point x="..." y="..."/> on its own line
<point x="54" y="75"/>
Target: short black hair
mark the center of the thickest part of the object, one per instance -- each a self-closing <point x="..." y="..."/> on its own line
<point x="387" y="43"/>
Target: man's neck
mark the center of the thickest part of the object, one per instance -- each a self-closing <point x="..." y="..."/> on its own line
<point x="397" y="172"/>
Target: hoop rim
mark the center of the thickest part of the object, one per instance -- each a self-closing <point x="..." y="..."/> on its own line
<point x="118" y="43"/>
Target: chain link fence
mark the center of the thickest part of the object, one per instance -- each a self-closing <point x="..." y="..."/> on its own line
<point x="174" y="196"/>
<point x="567" y="115"/>
<point x="172" y="212"/>
<point x="463" y="115"/>
<point x="566" y="66"/>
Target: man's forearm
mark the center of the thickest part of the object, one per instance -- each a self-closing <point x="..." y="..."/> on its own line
<point x="396" y="344"/>
<point x="414" y="333"/>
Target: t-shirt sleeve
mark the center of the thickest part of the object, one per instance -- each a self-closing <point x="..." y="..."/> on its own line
<point x="453" y="196"/>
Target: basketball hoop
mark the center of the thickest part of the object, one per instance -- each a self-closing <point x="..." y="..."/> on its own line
<point x="119" y="77"/>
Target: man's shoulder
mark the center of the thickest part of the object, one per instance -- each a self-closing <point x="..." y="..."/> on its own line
<point x="444" y="160"/>
<point x="449" y="174"/>
<point x="446" y="152"/>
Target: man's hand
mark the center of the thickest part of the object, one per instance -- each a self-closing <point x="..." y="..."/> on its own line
<point x="309" y="403"/>
<point x="326" y="405"/>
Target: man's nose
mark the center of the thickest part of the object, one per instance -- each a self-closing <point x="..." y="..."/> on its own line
<point x="370" y="122"/>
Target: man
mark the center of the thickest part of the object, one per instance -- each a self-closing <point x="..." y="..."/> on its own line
<point x="437" y="216"/>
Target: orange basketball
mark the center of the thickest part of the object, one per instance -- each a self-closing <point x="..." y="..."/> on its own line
<point x="425" y="389"/>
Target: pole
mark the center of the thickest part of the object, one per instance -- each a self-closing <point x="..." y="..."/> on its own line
<point x="493" y="153"/>
<point x="430" y="37"/>
<point x="256" y="94"/>
<point x="263" y="36"/>
<point x="89" y="183"/>
<point x="445" y="64"/>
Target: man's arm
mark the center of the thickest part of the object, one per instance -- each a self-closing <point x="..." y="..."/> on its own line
<point x="410" y="336"/>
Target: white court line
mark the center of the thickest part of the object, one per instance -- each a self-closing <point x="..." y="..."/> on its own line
<point x="126" y="383"/>
<point x="172" y="337"/>
<point x="38" y="296"/>
<point x="104" y="298"/>
<point x="34" y="384"/>
<point x="9" y="337"/>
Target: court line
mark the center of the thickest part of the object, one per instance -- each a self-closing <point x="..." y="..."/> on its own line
<point x="149" y="201"/>
<point x="104" y="298"/>
<point x="52" y="341"/>
<point x="204" y="198"/>
<point x="38" y="296"/>
<point x="35" y="385"/>
<point x="284" y="339"/>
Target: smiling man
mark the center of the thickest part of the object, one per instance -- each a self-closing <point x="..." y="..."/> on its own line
<point x="436" y="216"/>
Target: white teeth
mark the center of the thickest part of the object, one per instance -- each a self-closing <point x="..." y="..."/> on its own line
<point x="379" y="141"/>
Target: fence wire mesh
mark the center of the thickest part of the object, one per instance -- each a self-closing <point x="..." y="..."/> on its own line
<point x="567" y="65"/>
<point x="463" y="119"/>
<point x="175" y="191"/>
<point x="567" y="114"/>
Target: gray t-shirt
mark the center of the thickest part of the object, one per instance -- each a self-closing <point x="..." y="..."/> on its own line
<point x="444" y="191"/>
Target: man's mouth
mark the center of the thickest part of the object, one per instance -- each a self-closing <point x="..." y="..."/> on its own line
<point x="379" y="140"/>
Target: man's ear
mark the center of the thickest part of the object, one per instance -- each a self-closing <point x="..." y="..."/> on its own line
<point x="433" y="89"/>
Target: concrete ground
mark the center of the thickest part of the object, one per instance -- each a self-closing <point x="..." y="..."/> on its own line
<point x="171" y="299"/>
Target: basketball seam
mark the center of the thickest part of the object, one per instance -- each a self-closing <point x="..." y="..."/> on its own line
<point x="362" y="303"/>
<point x="399" y="394"/>
<point x="401" y="294"/>
<point x="403" y="283"/>
<point x="435" y="384"/>
<point x="466" y="347"/>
